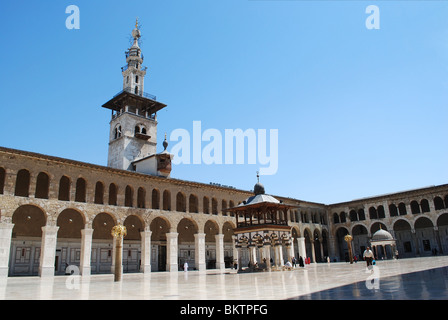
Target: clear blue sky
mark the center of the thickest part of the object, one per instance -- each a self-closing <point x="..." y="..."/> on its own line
<point x="359" y="112"/>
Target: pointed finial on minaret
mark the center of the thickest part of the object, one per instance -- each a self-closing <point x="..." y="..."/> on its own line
<point x="258" y="176"/>
<point x="136" y="23"/>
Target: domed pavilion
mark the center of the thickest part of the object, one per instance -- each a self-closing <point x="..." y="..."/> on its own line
<point x="380" y="242"/>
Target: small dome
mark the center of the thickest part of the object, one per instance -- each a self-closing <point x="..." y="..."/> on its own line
<point x="382" y="235"/>
<point x="258" y="188"/>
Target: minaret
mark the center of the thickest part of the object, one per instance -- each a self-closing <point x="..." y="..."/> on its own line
<point x="134" y="72"/>
<point x="133" y="126"/>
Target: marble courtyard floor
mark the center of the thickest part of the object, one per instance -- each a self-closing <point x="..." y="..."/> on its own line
<point x="416" y="278"/>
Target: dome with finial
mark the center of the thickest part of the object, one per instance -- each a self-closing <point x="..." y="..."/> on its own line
<point x="382" y="235"/>
<point x="259" y="189"/>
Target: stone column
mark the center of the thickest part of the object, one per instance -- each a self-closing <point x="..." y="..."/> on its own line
<point x="199" y="247"/>
<point x="220" y="264"/>
<point x="171" y="252"/>
<point x="146" y="251"/>
<point x="5" y="245"/>
<point x="86" y="251"/>
<point x="313" y="254"/>
<point x="48" y="251"/>
<point x="302" y="248"/>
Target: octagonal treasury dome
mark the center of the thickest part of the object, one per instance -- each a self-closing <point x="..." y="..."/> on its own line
<point x="382" y="235"/>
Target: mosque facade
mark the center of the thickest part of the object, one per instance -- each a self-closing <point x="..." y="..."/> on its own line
<point x="57" y="214"/>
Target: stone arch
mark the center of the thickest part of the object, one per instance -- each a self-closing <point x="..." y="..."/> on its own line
<point x="159" y="227"/>
<point x="28" y="221"/>
<point x="70" y="222"/>
<point x="342" y="248"/>
<point x="186" y="229"/>
<point x="134" y="225"/>
<point x="102" y="225"/>
<point x="424" y="232"/>
<point x="376" y="226"/>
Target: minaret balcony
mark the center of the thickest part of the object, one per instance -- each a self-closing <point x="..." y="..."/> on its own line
<point x="126" y="67"/>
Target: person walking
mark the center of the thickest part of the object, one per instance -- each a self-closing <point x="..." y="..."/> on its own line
<point x="368" y="256"/>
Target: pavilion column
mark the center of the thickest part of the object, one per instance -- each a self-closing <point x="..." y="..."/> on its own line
<point x="220" y="251"/>
<point x="302" y="247"/>
<point x="252" y="254"/>
<point x="86" y="251"/>
<point x="48" y="251"/>
<point x="279" y="255"/>
<point x="239" y="252"/>
<point x="5" y="245"/>
<point x="199" y="247"/>
<point x="171" y="251"/>
<point x="267" y="255"/>
<point x="146" y="251"/>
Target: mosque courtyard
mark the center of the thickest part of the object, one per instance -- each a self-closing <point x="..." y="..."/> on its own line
<point x="416" y="278"/>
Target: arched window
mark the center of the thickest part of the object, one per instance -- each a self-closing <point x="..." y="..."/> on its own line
<point x="381" y="213"/>
<point x="128" y="195"/>
<point x="415" y="208"/>
<point x="22" y="183"/>
<point x="335" y="218"/>
<point x="424" y="204"/>
<point x="2" y="180"/>
<point x="393" y="211"/>
<point x="180" y="202"/>
<point x="206" y="205"/>
<point x="166" y="200"/>
<point x="343" y="217"/>
<point x="193" y="204"/>
<point x="42" y="186"/>
<point x="223" y="207"/>
<point x="64" y="189"/>
<point x="99" y="193"/>
<point x="80" y="195"/>
<point x="117" y="132"/>
<point x="214" y="206"/>
<point x="141" y="194"/>
<point x="361" y="214"/>
<point x="113" y="190"/>
<point x="402" y="209"/>
<point x="353" y="215"/>
<point x="155" y="199"/>
<point x="438" y="203"/>
<point x="373" y="214"/>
